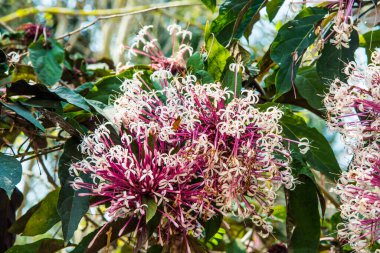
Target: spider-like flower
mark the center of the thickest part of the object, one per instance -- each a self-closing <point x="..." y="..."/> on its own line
<point x="354" y="110"/>
<point x="244" y="159"/>
<point x="146" y="45"/>
<point x="129" y="173"/>
<point x="353" y="106"/>
<point x="359" y="191"/>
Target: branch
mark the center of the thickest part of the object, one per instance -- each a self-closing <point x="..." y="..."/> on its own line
<point x="106" y="13"/>
<point x="45" y="169"/>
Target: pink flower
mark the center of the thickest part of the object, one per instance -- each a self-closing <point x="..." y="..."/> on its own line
<point x="130" y="172"/>
<point x="146" y="45"/>
<point x="353" y="109"/>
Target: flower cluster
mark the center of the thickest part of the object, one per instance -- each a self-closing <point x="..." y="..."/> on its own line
<point x="195" y="150"/>
<point x="146" y="45"/>
<point x="354" y="110"/>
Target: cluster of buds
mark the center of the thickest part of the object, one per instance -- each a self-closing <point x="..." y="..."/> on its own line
<point x="195" y="150"/>
<point x="353" y="108"/>
<point x="343" y="23"/>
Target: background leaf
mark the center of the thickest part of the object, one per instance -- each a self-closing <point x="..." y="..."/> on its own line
<point x="303" y="219"/>
<point x="310" y="86"/>
<point x="320" y="156"/>
<point x="218" y="55"/>
<point x="47" y="57"/>
<point x="292" y="40"/>
<point x="8" y="211"/>
<point x="46" y="245"/>
<point x="71" y="97"/>
<point x="71" y="207"/>
<point x="10" y="173"/>
<point x="332" y="61"/>
<point x="23" y="112"/>
<point x="44" y="217"/>
<point x="232" y="21"/>
<point x="211" y="4"/>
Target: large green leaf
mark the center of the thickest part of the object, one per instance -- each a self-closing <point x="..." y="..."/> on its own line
<point x="211" y="4"/>
<point x="23" y="112"/>
<point x="42" y="217"/>
<point x="290" y="44"/>
<point x="234" y="17"/>
<point x="71" y="207"/>
<point x="46" y="245"/>
<point x="303" y="218"/>
<point x="110" y="85"/>
<point x="47" y="57"/>
<point x="10" y="173"/>
<point x="310" y="86"/>
<point x="71" y="97"/>
<point x="333" y="60"/>
<point x="320" y="156"/>
<point x="218" y="55"/>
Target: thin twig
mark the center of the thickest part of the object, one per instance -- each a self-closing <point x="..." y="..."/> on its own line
<point x="122" y="15"/>
<point x="45" y="169"/>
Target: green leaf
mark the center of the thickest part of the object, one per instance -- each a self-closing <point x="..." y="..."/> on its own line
<point x="310" y="86"/>
<point x="195" y="62"/>
<point x="333" y="60"/>
<point x="292" y="40"/>
<point x="204" y="77"/>
<point x="212" y="226"/>
<point x="23" y="72"/>
<point x="44" y="217"/>
<point x="110" y="85"/>
<point x="47" y="57"/>
<point x="151" y="208"/>
<point x="279" y="212"/>
<point x="230" y="80"/>
<point x="71" y="207"/>
<point x="371" y="41"/>
<point x="236" y="246"/>
<point x="23" y="112"/>
<point x="303" y="219"/>
<point x="101" y="240"/>
<point x="46" y="245"/>
<point x="234" y="17"/>
<point x="218" y="55"/>
<point x="10" y="173"/>
<point x="320" y="156"/>
<point x="19" y="226"/>
<point x="211" y="4"/>
<point x="71" y="97"/>
<point x="155" y="249"/>
<point x="272" y="8"/>
<point x="3" y="64"/>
